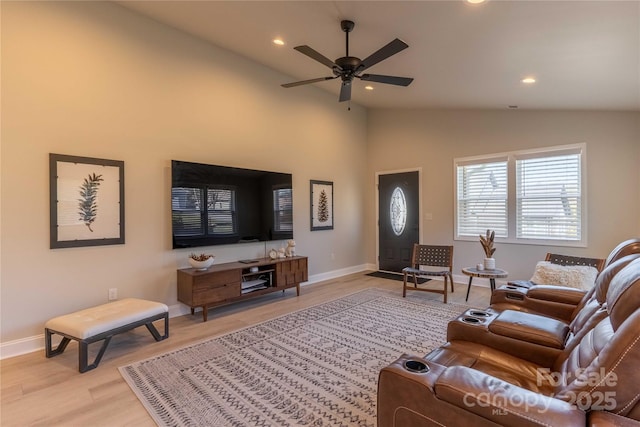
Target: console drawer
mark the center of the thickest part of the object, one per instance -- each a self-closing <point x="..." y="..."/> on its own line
<point x="220" y="278"/>
<point x="216" y="293"/>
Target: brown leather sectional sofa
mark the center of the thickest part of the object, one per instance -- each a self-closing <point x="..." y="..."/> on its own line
<point x="525" y="362"/>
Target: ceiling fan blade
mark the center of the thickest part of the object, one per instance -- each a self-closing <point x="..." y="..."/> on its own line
<point x="345" y="91"/>
<point x="391" y="80"/>
<point x="306" y="82"/>
<point x="383" y="53"/>
<point x="313" y="54"/>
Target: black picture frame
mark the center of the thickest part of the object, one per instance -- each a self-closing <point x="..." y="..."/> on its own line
<point x="86" y="199"/>
<point x="321" y="205"/>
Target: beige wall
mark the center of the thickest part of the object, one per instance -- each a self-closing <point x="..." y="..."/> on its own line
<point x="430" y="139"/>
<point x="94" y="79"/>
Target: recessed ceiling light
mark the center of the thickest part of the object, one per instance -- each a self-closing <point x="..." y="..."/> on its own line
<point x="368" y="87"/>
<point x="278" y="42"/>
<point x="528" y="80"/>
<point x="475" y="1"/>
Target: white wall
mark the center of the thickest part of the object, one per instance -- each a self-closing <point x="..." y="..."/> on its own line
<point x="431" y="139"/>
<point x="96" y="80"/>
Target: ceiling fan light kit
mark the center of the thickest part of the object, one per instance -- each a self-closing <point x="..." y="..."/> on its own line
<point x="349" y="67"/>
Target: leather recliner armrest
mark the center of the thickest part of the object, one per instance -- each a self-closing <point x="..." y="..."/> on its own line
<point x="561" y="294"/>
<point x="555" y="301"/>
<point x="407" y="398"/>
<point x="463" y="396"/>
<point x="607" y="419"/>
<point x="501" y="402"/>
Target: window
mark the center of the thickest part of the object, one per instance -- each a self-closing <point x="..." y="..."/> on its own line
<point x="533" y="196"/>
<point x="548" y="193"/>
<point x="482" y="198"/>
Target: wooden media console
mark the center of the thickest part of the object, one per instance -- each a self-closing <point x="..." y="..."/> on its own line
<point x="234" y="281"/>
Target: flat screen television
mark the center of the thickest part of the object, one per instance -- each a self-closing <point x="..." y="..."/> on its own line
<point x="220" y="205"/>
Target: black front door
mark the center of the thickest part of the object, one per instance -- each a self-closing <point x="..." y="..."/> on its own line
<point x="398" y="219"/>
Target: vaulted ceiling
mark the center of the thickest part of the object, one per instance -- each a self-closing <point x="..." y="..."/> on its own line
<point x="583" y="54"/>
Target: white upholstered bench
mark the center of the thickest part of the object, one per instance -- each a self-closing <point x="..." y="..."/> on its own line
<point x="102" y="323"/>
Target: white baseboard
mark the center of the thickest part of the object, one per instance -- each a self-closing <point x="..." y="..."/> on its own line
<point x="36" y="343"/>
<point x="337" y="273"/>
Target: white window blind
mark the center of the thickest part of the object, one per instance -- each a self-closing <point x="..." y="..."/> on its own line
<point x="548" y="197"/>
<point x="481" y="198"/>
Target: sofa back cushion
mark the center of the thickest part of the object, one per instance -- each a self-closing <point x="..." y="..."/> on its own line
<point x="573" y="276"/>
<point x="601" y="373"/>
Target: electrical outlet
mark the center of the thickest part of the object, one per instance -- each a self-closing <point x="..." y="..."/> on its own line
<point x="113" y="294"/>
<point x="333" y="256"/>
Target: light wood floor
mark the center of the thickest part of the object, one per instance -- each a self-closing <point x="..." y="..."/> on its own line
<point x="36" y="391"/>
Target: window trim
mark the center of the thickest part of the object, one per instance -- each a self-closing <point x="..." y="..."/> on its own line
<point x="511" y="157"/>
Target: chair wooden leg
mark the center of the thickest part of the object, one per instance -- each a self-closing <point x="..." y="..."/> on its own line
<point x="404" y="286"/>
<point x="415" y="281"/>
<point x="445" y="289"/>
<point x="451" y="282"/>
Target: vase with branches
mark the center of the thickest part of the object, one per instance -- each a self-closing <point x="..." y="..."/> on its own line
<point x="487" y="245"/>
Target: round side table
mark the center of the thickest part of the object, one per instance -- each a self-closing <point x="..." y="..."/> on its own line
<point x="492" y="275"/>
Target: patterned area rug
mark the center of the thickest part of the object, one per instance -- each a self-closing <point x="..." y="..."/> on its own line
<point x="314" y="367"/>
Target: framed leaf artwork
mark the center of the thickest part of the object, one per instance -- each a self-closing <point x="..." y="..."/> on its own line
<point x="321" y="205"/>
<point x="86" y="201"/>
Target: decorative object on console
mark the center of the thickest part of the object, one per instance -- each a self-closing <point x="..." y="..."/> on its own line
<point x="282" y="253"/>
<point x="291" y="248"/>
<point x="573" y="276"/>
<point x="86" y="201"/>
<point x="273" y="254"/>
<point x="487" y="246"/>
<point x="201" y="262"/>
<point x="321" y="205"/>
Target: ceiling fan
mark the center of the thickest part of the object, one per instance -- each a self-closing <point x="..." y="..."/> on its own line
<point x="350" y="67"/>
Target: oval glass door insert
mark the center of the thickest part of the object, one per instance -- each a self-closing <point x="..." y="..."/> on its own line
<point x="398" y="211"/>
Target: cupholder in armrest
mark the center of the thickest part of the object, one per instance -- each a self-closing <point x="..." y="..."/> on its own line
<point x="478" y="313"/>
<point x="416" y="366"/>
<point x="515" y="297"/>
<point x="472" y="320"/>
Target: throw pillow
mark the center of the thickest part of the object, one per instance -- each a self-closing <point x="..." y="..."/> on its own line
<point x="573" y="276"/>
